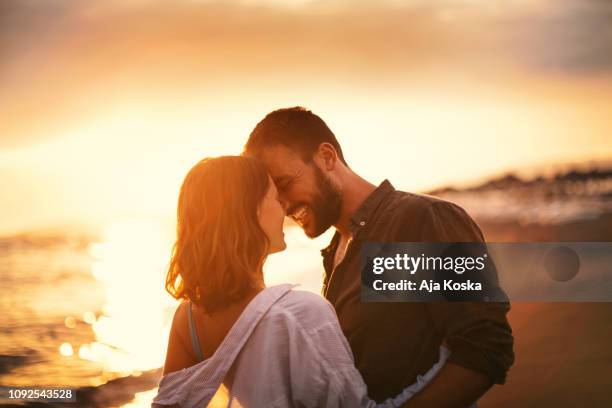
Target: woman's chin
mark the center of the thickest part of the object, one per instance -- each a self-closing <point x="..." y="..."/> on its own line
<point x="282" y="247"/>
<point x="278" y="248"/>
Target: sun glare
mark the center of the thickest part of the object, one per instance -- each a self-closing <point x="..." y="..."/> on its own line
<point x="132" y="331"/>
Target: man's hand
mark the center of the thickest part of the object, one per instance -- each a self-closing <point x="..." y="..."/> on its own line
<point x="453" y="387"/>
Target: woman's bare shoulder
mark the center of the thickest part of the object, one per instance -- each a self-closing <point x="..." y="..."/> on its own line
<point x="180" y="323"/>
<point x="178" y="355"/>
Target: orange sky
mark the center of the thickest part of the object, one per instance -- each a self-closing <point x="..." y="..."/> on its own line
<point x="106" y="106"/>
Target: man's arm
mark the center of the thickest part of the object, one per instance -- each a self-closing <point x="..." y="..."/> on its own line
<point x="477" y="333"/>
<point x="453" y="387"/>
<point x="480" y="342"/>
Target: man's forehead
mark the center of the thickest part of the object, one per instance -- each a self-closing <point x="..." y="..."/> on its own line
<point x="280" y="161"/>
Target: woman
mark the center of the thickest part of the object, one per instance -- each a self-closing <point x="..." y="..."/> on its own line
<point x="234" y="342"/>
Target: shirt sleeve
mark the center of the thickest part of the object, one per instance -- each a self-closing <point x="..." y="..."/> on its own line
<point x="477" y="333"/>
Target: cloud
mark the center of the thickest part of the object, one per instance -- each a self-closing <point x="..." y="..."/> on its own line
<point x="572" y="37"/>
<point x="62" y="61"/>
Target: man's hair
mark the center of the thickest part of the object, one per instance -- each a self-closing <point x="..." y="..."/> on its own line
<point x="220" y="246"/>
<point x="296" y="128"/>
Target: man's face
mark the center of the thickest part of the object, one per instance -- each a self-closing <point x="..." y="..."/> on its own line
<point x="307" y="193"/>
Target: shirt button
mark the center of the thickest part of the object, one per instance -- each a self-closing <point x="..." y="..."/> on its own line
<point x="362" y="223"/>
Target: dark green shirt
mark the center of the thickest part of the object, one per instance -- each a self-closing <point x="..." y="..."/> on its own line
<point x="394" y="342"/>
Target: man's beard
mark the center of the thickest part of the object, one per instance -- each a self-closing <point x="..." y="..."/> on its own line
<point x="327" y="204"/>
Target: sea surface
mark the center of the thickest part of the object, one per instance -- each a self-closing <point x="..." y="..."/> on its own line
<point x="89" y="311"/>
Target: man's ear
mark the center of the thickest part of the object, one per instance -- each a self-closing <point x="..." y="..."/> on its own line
<point x="327" y="156"/>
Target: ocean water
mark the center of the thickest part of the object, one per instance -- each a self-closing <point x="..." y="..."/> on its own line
<point x="91" y="312"/>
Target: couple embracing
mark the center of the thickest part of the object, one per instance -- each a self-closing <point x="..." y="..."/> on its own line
<point x="235" y="342"/>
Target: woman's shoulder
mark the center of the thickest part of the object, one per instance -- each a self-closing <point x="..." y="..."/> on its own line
<point x="303" y="298"/>
<point x="309" y="322"/>
<point x="180" y="324"/>
<point x="303" y="307"/>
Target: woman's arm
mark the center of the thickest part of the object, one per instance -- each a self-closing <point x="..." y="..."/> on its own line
<point x="178" y="355"/>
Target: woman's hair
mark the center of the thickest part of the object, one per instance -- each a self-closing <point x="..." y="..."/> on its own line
<point x="220" y="247"/>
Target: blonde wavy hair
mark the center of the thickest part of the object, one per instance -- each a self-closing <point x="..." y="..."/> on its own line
<point x="220" y="247"/>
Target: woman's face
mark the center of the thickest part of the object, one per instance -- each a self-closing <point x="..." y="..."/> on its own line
<point x="271" y="216"/>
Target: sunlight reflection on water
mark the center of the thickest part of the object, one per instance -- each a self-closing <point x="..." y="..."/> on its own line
<point x="132" y="331"/>
<point x="130" y="261"/>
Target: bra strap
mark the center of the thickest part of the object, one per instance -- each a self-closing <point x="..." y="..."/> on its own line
<point x="195" y="342"/>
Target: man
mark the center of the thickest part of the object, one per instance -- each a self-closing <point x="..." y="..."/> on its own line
<point x="392" y="343"/>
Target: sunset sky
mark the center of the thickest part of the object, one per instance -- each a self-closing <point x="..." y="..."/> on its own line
<point x="104" y="106"/>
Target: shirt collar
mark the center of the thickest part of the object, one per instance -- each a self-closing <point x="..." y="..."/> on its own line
<point x="364" y="213"/>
